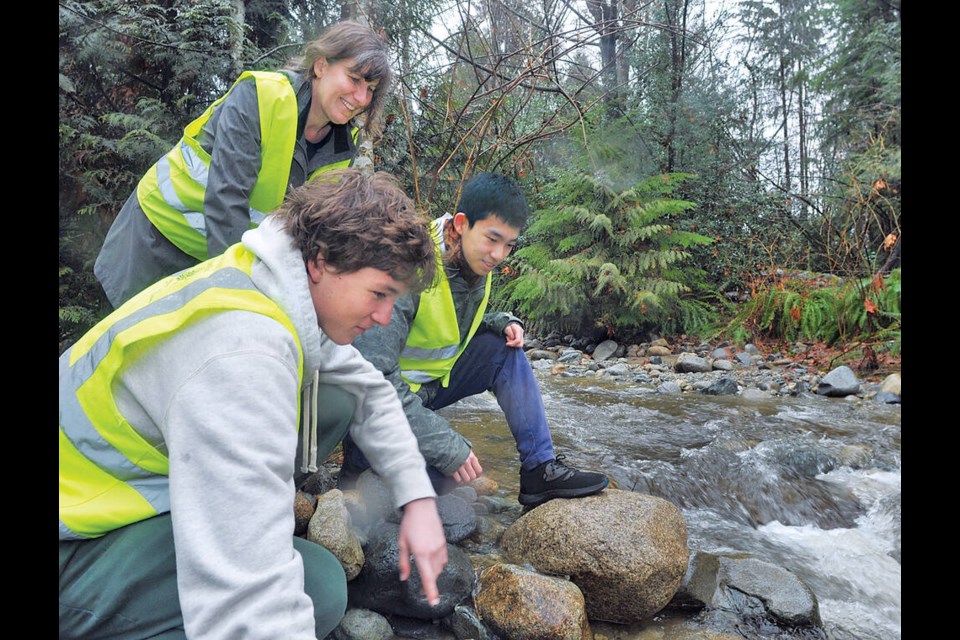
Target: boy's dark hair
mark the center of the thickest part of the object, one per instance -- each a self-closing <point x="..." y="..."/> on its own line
<point x="356" y="220"/>
<point x="493" y="194"/>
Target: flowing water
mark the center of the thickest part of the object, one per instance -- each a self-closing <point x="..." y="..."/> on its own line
<point x="810" y="484"/>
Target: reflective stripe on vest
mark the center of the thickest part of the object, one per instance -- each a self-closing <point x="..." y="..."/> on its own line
<point x="172" y="192"/>
<point x="110" y="476"/>
<point x="433" y="344"/>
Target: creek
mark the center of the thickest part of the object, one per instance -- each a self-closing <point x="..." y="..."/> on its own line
<point x="808" y="483"/>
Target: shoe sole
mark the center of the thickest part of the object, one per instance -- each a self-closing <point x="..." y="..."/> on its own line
<point x="534" y="499"/>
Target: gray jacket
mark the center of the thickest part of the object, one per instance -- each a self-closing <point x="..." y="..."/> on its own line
<point x="440" y="444"/>
<point x="135" y="254"/>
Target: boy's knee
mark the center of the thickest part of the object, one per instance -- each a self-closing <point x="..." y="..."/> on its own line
<point x="326" y="584"/>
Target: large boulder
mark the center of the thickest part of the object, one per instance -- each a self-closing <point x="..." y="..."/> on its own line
<point x="378" y="587"/>
<point x="520" y="604"/>
<point x="626" y="551"/>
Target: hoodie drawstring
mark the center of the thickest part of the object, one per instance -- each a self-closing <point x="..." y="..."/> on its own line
<point x="308" y="428"/>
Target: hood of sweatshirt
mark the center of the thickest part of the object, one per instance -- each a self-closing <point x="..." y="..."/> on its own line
<point x="280" y="273"/>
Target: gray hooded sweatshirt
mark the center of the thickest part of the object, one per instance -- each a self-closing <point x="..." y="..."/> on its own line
<point x="221" y="398"/>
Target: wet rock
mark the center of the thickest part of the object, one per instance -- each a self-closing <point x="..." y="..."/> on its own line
<point x="303" y="506"/>
<point x="377" y="497"/>
<point x="378" y="587"/>
<point x="755" y="394"/>
<point x="499" y="504"/>
<point x="353" y="501"/>
<point x="330" y="528"/>
<point x="805" y="458"/>
<point x="723" y="387"/>
<point x="488" y="532"/>
<point x="465" y="492"/>
<point x="657" y="350"/>
<point x="747" y="586"/>
<point x="723" y="365"/>
<point x="626" y="551"/>
<point x="752" y="349"/>
<point x="839" y="383"/>
<point x="604" y="350"/>
<point x="467" y="624"/>
<point x="570" y="356"/>
<point x="541" y="354"/>
<point x="484" y="485"/>
<point x="720" y="354"/>
<point x="744" y="358"/>
<point x="362" y="624"/>
<point x="319" y="482"/>
<point x="886" y="397"/>
<point x="531" y="343"/>
<point x="669" y="387"/>
<point x="701" y="385"/>
<point x="416" y="629"/>
<point x="541" y="365"/>
<point x="618" y="369"/>
<point x="457" y="516"/>
<point x="891" y="384"/>
<point x="798" y="388"/>
<point x="520" y="604"/>
<point x="689" y="363"/>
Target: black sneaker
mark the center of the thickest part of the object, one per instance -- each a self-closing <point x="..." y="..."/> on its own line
<point x="554" y="479"/>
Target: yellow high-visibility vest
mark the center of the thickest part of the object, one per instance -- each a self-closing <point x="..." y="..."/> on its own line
<point x="172" y="192"/>
<point x="110" y="476"/>
<point x="433" y="344"/>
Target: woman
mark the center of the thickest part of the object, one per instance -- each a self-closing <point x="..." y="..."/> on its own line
<point x="270" y="133"/>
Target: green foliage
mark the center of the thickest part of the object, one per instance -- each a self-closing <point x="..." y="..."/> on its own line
<point x="596" y="256"/>
<point x="131" y="75"/>
<point x="793" y="309"/>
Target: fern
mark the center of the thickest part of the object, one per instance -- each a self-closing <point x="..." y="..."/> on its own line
<point x="596" y="256"/>
<point x="832" y="314"/>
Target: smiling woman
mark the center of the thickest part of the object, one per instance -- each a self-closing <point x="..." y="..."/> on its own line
<point x="270" y="133"/>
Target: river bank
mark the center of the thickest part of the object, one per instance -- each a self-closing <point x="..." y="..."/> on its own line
<point x="771" y="469"/>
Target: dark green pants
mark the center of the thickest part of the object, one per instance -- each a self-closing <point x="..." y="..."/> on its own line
<point x="123" y="585"/>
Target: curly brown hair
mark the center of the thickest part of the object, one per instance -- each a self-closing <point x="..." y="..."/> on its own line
<point x="353" y="219"/>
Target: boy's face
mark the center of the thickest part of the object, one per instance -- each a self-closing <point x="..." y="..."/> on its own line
<point x="348" y="304"/>
<point x="487" y="243"/>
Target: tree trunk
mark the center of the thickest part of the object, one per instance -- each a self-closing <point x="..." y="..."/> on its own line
<point x="677" y="21"/>
<point x="606" y="13"/>
<point x="236" y="48"/>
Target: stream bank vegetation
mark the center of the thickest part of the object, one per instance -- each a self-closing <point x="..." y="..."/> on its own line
<point x="685" y="163"/>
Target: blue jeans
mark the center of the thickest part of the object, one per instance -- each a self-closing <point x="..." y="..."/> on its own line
<point x="488" y="364"/>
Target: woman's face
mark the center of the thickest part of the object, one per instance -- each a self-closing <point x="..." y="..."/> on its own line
<point x="340" y="92"/>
